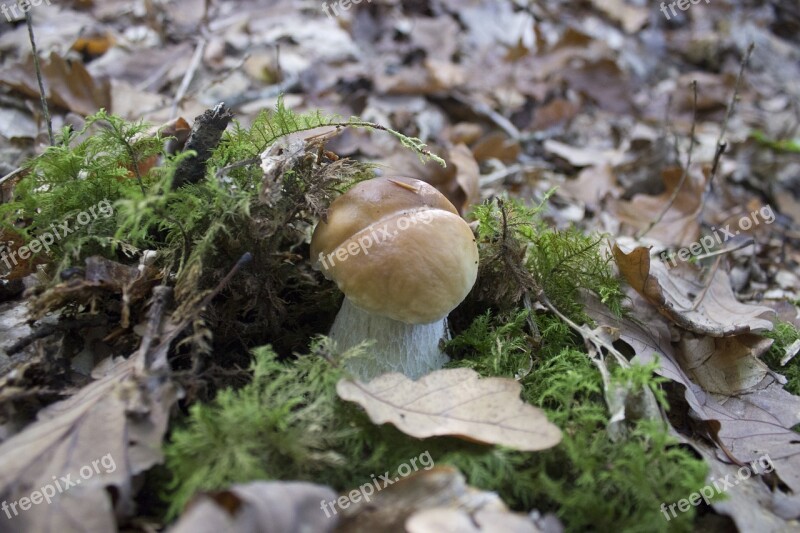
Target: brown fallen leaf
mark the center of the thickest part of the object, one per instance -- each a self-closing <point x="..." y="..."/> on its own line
<point x="603" y="82"/>
<point x="583" y="156"/>
<point x="496" y="145"/>
<point x="273" y="506"/>
<point x="68" y="84"/>
<point x="454" y="402"/>
<point x="631" y="17"/>
<point x="729" y="365"/>
<point x="466" y="187"/>
<point x="116" y="423"/>
<point x="592" y="186"/>
<point x="752" y="424"/>
<point x="680" y="225"/>
<point x="394" y="507"/>
<point x="675" y="292"/>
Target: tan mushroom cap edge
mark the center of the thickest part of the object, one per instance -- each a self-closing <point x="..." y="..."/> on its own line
<point x="397" y="248"/>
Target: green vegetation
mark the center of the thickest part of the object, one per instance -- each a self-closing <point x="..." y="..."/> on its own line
<point x="287" y="422"/>
<point x="784" y="145"/>
<point x="784" y="335"/>
<point x="588" y="480"/>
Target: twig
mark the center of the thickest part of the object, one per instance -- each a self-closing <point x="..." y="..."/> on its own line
<point x="745" y="244"/>
<point x="45" y="330"/>
<point x="685" y="173"/>
<point x="37" y="66"/>
<point x="10" y="175"/>
<point x="187" y="78"/>
<point x="482" y="109"/>
<point x="722" y="145"/>
<point x="205" y="136"/>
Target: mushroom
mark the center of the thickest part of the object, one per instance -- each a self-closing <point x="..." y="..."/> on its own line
<point x="404" y="259"/>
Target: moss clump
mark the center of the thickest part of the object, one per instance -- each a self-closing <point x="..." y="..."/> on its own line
<point x="522" y="257"/>
<point x="282" y="425"/>
<point x="289" y="424"/>
<point x="199" y="230"/>
<point x="784" y="335"/>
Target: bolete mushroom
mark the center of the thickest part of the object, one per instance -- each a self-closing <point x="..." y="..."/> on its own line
<point x="404" y="259"/>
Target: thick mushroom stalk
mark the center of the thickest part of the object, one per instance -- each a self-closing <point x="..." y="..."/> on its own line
<point x="404" y="259"/>
<point x="412" y="349"/>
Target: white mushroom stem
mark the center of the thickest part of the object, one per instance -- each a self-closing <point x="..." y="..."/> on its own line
<point x="412" y="349"/>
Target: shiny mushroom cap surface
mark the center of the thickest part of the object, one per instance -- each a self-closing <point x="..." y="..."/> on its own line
<point x="397" y="248"/>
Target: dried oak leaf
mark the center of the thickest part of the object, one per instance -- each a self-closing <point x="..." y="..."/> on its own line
<point x="458" y="521"/>
<point x="753" y="423"/>
<point x="592" y="186"/>
<point x="402" y="505"/>
<point x="274" y="506"/>
<point x="69" y="85"/>
<point x="454" y="402"/>
<point x="680" y="225"/>
<point x="729" y="365"/>
<point x="674" y="293"/>
<point x="95" y="442"/>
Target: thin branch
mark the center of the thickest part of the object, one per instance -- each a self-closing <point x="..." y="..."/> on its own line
<point x="745" y="244"/>
<point x="685" y="173"/>
<point x="38" y="67"/>
<point x="188" y="76"/>
<point x="721" y="144"/>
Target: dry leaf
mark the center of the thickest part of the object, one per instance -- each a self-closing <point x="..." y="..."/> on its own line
<point x="454" y="402"/>
<point x="724" y="366"/>
<point x="602" y="81"/>
<point x="68" y="84"/>
<point x="457" y="521"/>
<point x="274" y="507"/>
<point x="585" y="156"/>
<point x="498" y="146"/>
<point x="632" y="17"/>
<point x="592" y="186"/>
<point x="675" y="292"/>
<point x="119" y="419"/>
<point x="442" y="487"/>
<point x="466" y="185"/>
<point x="755" y="423"/>
<point x="680" y="225"/>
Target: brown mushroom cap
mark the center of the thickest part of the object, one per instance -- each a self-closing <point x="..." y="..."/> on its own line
<point x="397" y="248"/>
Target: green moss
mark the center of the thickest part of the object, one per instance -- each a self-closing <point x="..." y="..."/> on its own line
<point x="588" y="480"/>
<point x="86" y="167"/>
<point x="784" y="335"/>
<point x="522" y="256"/>
<point x="282" y="425"/>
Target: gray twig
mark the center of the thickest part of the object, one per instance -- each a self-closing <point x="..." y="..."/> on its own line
<point x="38" y="68"/>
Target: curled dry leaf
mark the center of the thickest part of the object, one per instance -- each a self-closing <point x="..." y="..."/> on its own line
<point x="674" y="293"/>
<point x="274" y="506"/>
<point x="454" y="402"/>
<point x="465" y="188"/>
